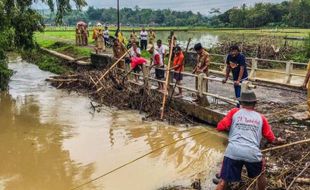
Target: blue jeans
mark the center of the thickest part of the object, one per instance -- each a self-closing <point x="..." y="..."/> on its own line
<point x="237" y="91"/>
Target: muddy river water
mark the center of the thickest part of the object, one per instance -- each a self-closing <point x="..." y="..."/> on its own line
<point x="52" y="140"/>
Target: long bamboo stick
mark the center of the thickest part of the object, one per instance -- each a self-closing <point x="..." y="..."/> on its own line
<point x="167" y="79"/>
<point x="112" y="66"/>
<point x="286" y="145"/>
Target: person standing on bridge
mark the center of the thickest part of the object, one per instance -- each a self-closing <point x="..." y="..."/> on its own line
<point x="306" y="86"/>
<point x="161" y="49"/>
<point x="202" y="65"/>
<point x="236" y="64"/>
<point x="178" y="66"/>
<point x="157" y="62"/>
<point x="246" y="128"/>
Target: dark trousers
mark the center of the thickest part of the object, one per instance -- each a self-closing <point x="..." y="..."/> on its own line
<point x="237" y="91"/>
<point x="106" y="41"/>
<point x="143" y="44"/>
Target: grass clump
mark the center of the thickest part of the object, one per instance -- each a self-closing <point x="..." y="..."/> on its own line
<point x="45" y="62"/>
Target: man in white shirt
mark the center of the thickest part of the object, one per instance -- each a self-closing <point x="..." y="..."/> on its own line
<point x="143" y="39"/>
<point x="161" y="50"/>
<point x="135" y="50"/>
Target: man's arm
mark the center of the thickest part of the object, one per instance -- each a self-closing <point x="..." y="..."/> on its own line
<point x="207" y="61"/>
<point x="267" y="132"/>
<point x="228" y="69"/>
<point x="240" y="75"/>
<point x="242" y="64"/>
<point x="225" y="123"/>
<point x="180" y="63"/>
<point x="196" y="66"/>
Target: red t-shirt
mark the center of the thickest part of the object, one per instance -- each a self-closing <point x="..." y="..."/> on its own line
<point x="246" y="129"/>
<point x="178" y="61"/>
<point x="135" y="61"/>
<point x="227" y="122"/>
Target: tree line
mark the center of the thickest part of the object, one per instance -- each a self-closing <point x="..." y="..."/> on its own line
<point x="293" y="13"/>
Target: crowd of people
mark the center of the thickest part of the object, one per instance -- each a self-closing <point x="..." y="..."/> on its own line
<point x="146" y="42"/>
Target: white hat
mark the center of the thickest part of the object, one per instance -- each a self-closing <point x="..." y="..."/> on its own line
<point x="99" y="24"/>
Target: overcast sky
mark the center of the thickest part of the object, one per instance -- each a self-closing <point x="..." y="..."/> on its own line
<point x="203" y="6"/>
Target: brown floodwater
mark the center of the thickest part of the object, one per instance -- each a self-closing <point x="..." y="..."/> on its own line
<point x="52" y="140"/>
<point x="278" y="77"/>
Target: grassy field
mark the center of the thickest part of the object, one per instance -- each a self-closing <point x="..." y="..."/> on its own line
<point x="48" y="38"/>
<point x="290" y="32"/>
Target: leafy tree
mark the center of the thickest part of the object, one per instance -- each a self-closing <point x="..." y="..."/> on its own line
<point x="18" y="22"/>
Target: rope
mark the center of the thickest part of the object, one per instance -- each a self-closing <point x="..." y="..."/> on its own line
<point x="132" y="161"/>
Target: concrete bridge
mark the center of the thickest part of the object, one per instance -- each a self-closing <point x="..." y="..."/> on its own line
<point x="283" y="88"/>
<point x="273" y="86"/>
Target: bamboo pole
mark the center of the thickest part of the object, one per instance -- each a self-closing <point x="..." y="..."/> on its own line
<point x="286" y="145"/>
<point x="167" y="79"/>
<point x="112" y="66"/>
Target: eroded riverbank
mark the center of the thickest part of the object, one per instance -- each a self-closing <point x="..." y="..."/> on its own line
<point x="51" y="139"/>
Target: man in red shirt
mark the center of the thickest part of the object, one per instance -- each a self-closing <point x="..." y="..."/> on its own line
<point x="157" y="62"/>
<point x="178" y="67"/>
<point x="246" y="129"/>
<point x="136" y="64"/>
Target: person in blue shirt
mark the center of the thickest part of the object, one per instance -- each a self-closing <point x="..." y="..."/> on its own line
<point x="236" y="64"/>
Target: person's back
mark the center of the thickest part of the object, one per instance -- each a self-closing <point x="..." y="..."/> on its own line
<point x="246" y="128"/>
<point x="245" y="135"/>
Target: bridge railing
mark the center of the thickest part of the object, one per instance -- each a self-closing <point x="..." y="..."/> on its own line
<point x="287" y="73"/>
<point x="201" y="92"/>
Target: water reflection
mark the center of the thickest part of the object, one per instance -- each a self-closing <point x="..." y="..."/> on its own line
<point x="31" y="152"/>
<point x="50" y="140"/>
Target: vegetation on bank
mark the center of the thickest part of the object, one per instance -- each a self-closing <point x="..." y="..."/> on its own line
<point x="290" y="13"/>
<point x="18" y="23"/>
<point x="45" y="62"/>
